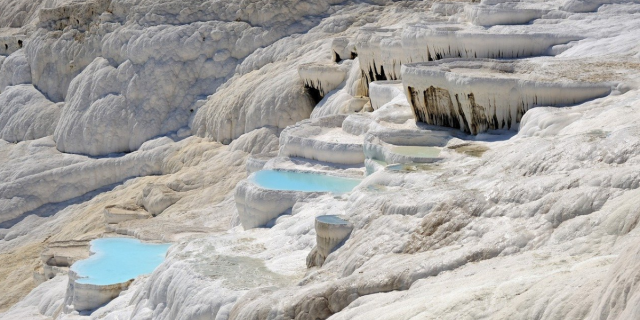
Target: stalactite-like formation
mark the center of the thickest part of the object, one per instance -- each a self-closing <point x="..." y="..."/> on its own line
<point x="453" y="93"/>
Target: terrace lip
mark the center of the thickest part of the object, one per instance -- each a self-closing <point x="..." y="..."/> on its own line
<point x="436" y="42"/>
<point x="477" y="95"/>
<point x="406" y="147"/>
<point x="486" y="69"/>
<point x="322" y="139"/>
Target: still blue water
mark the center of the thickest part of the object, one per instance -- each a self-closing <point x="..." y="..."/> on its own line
<point x="117" y="260"/>
<point x="303" y="181"/>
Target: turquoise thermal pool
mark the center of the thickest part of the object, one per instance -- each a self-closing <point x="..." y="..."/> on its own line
<point x="416" y="151"/>
<point x="303" y="181"/>
<point x="117" y="260"/>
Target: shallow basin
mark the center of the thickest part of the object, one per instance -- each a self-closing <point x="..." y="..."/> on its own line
<point x="303" y="181"/>
<point x="416" y="151"/>
<point x="117" y="260"/>
<point x="331" y="219"/>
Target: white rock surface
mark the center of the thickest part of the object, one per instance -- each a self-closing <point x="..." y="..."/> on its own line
<point x="383" y="92"/>
<point x="88" y="297"/>
<point x="322" y="139"/>
<point x="322" y="78"/>
<point x="115" y="214"/>
<point x="348" y="96"/>
<point x="343" y="49"/>
<point x="331" y="231"/>
<point x="42" y="303"/>
<point x="25" y="114"/>
<point x="424" y="42"/>
<point x="502" y="13"/>
<point x="259" y="207"/>
<point x="380" y="53"/>
<point x="10" y="44"/>
<point x="480" y="95"/>
<point x="69" y="181"/>
<point x="539" y="223"/>
<point x="14" y="70"/>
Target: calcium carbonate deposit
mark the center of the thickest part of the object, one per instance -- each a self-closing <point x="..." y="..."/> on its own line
<point x="320" y="159"/>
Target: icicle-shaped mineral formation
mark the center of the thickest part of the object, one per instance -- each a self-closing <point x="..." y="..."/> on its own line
<point x="479" y="95"/>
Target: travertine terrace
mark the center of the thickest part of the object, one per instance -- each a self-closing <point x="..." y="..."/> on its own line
<point x="322" y="159"/>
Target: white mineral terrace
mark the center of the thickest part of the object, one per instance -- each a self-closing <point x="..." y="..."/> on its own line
<point x="59" y="256"/>
<point x="447" y="9"/>
<point x="383" y="92"/>
<point x="267" y="194"/>
<point x="257" y="206"/>
<point x="331" y="231"/>
<point x="405" y="146"/>
<point x="479" y="95"/>
<point x="88" y="297"/>
<point x="343" y="48"/>
<point x="320" y="159"/>
<point x="503" y="13"/>
<point x="382" y="51"/>
<point x="321" y="77"/>
<point x="374" y="45"/>
<point x="112" y="267"/>
<point x="322" y="139"/>
<point x="425" y="42"/>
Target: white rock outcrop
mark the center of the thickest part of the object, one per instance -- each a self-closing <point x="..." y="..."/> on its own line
<point x="501" y="14"/>
<point x="259" y="207"/>
<point x="386" y="146"/>
<point x="25" y="114"/>
<point x="479" y="95"/>
<point x="343" y="48"/>
<point x="322" y="139"/>
<point x="14" y="70"/>
<point x="321" y="78"/>
<point x="331" y="231"/>
<point x="156" y="198"/>
<point x="10" y="44"/>
<point x="380" y="53"/>
<point x="383" y="92"/>
<point x="535" y="223"/>
<point x="424" y="42"/>
<point x="58" y="184"/>
<point x="88" y="297"/>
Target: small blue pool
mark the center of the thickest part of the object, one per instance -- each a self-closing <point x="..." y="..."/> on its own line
<point x="332" y="219"/>
<point x="303" y="181"/>
<point x="118" y="260"/>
